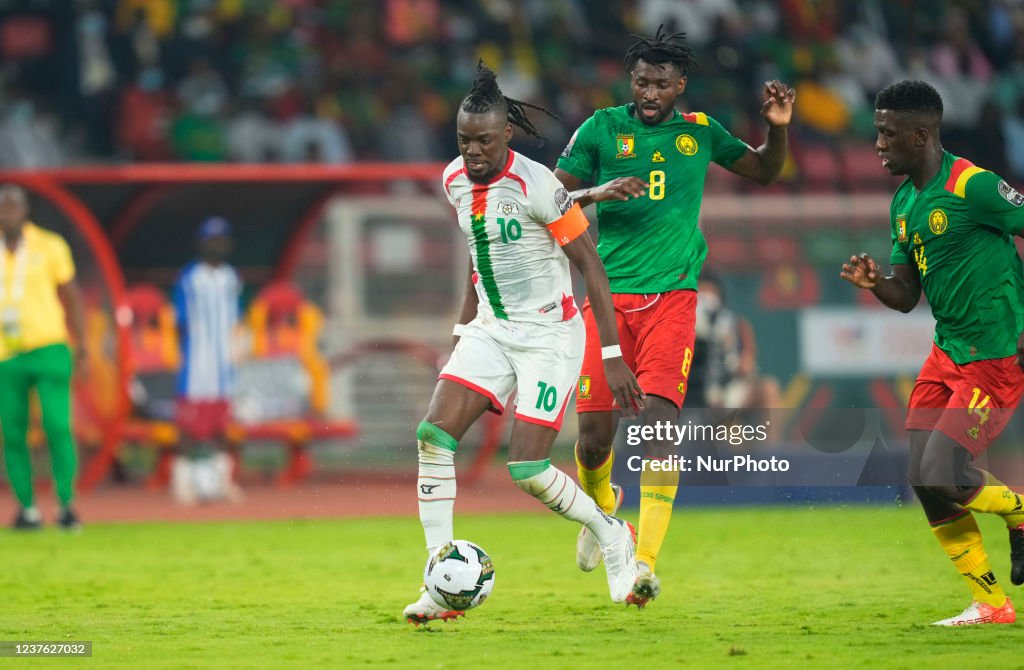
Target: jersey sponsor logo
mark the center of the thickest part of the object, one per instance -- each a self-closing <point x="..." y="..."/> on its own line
<point x="686" y="145"/>
<point x="563" y="200"/>
<point x="657" y="157"/>
<point x="938" y="222"/>
<point x="917" y="239"/>
<point x="583" y="392"/>
<point x="1012" y="196"/>
<point x="568" y="147"/>
<point x="901" y="228"/>
<point x="624" y="144"/>
<point x="508" y="207"/>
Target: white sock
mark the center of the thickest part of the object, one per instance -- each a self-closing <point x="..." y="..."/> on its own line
<point x="435" y="488"/>
<point x="563" y="496"/>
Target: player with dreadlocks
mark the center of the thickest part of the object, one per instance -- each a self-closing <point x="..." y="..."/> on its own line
<point x="519" y="329"/>
<point x="648" y="162"/>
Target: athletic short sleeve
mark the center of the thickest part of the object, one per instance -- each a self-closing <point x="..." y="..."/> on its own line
<point x="580" y="157"/>
<point x="993" y="202"/>
<point x="725" y="148"/>
<point x="898" y="229"/>
<point x="61" y="264"/>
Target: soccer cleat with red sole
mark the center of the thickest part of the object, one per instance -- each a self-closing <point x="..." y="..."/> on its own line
<point x="646" y="588"/>
<point x="980" y="613"/>
<point x="1017" y="555"/>
<point x="426" y="610"/>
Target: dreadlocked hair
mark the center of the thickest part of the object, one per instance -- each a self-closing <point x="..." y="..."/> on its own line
<point x="660" y="50"/>
<point x="485" y="96"/>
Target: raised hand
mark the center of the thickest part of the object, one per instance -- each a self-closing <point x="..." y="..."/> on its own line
<point x="777" y="109"/>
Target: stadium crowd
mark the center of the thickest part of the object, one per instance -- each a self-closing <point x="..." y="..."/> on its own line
<point x="321" y="80"/>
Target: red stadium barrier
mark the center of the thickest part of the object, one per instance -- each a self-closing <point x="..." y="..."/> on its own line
<point x="142" y="190"/>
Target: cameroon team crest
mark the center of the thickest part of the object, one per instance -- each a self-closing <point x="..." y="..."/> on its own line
<point x="901" y="229"/>
<point x="938" y="222"/>
<point x="686" y="145"/>
<point x="624" y="144"/>
<point x="583" y="393"/>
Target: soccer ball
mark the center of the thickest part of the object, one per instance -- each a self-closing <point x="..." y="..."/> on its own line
<point x="459" y="576"/>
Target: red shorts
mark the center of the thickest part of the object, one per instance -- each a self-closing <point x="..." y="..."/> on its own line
<point x="203" y="420"/>
<point x="656" y="333"/>
<point x="970" y="403"/>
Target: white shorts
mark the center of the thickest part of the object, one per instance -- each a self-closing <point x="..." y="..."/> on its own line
<point x="540" y="361"/>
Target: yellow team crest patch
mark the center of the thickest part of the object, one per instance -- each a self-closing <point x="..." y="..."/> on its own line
<point x="901" y="229"/>
<point x="938" y="222"/>
<point x="583" y="392"/>
<point x="686" y="145"/>
<point x="624" y="145"/>
<point x="657" y="157"/>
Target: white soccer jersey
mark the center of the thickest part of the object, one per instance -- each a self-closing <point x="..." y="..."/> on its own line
<point x="515" y="225"/>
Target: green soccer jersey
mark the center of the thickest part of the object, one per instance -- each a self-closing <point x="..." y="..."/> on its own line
<point x="650" y="244"/>
<point x="958" y="232"/>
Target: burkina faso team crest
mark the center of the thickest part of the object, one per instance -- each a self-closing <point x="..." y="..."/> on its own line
<point x="625" y="144"/>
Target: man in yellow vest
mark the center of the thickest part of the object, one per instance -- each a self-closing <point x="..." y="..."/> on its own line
<point x="36" y="277"/>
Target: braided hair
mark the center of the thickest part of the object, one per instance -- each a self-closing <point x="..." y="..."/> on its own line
<point x="661" y="49"/>
<point x="485" y="96"/>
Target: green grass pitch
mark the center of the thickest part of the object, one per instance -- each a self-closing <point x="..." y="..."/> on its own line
<point x="743" y="588"/>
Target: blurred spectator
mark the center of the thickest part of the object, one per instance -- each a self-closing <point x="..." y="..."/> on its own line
<point x="724" y="372"/>
<point x="202" y="91"/>
<point x="27" y="140"/>
<point x="252" y="136"/>
<point x="311" y="138"/>
<point x="35" y="358"/>
<point x="195" y="137"/>
<point x="694" y="17"/>
<point x="97" y="78"/>
<point x="145" y="115"/>
<point x="206" y="301"/>
<point x="1013" y="131"/>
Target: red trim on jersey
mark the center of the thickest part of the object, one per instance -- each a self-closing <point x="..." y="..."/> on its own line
<point x="504" y="170"/>
<point x="505" y="173"/>
<point x="451" y="178"/>
<point x="479" y="200"/>
<point x="568" y="307"/>
<point x="522" y="184"/>
<point x="690" y="116"/>
<point x="556" y="424"/>
<point x="498" y="177"/>
<point x="475" y="277"/>
<point x="496" y="406"/>
<point x="959" y="165"/>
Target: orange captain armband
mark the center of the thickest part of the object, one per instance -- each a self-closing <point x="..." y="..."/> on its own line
<point x="572" y="224"/>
